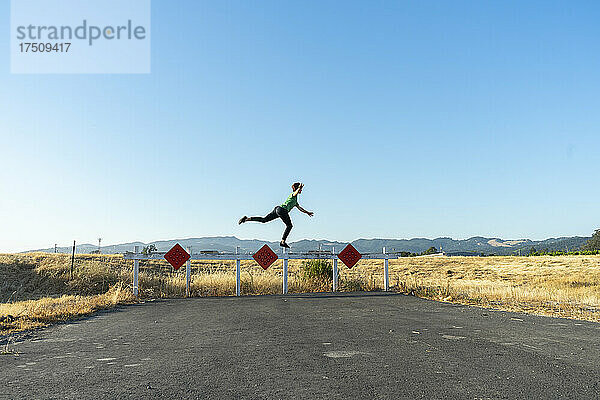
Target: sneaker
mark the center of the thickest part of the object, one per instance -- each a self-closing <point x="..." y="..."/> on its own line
<point x="242" y="220"/>
<point x="284" y="244"/>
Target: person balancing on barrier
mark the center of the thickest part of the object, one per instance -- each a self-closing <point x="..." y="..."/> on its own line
<point x="283" y="212"/>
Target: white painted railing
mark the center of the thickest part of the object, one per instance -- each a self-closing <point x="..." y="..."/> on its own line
<point x="237" y="257"/>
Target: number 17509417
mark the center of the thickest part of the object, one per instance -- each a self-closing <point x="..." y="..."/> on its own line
<point x="44" y="47"/>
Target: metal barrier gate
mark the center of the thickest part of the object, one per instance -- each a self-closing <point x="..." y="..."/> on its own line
<point x="136" y="256"/>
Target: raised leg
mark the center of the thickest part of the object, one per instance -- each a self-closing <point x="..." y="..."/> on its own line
<point x="267" y="218"/>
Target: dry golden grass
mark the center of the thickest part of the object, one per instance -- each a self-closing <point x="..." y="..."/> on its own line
<point x="37" y="289"/>
<point x="30" y="314"/>
<point x="565" y="286"/>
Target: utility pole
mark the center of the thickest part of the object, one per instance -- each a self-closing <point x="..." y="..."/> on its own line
<point x="55" y="249"/>
<point x="72" y="260"/>
<point x="99" y="241"/>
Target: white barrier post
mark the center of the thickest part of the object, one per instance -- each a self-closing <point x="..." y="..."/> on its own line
<point x="335" y="271"/>
<point x="136" y="270"/>
<point x="188" y="273"/>
<point x="238" y="283"/>
<point x="386" y="278"/>
<point x="285" y="271"/>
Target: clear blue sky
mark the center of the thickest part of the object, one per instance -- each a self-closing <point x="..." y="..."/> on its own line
<point x="404" y="119"/>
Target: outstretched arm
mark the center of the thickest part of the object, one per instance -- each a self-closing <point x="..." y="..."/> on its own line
<point x="309" y="213"/>
<point x="297" y="191"/>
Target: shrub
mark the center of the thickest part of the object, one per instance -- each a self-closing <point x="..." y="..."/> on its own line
<point x="148" y="249"/>
<point x="593" y="243"/>
<point x="431" y="250"/>
<point x="317" y="270"/>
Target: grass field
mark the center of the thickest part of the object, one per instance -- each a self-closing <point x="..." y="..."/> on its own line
<point x="36" y="289"/>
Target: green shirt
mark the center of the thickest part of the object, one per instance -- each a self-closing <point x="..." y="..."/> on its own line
<point x="290" y="203"/>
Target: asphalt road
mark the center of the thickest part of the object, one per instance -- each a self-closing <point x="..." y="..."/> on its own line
<point x="306" y="347"/>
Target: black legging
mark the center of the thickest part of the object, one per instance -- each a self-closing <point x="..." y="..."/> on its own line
<point x="278" y="212"/>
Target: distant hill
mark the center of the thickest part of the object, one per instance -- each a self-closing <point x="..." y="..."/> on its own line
<point x="474" y="245"/>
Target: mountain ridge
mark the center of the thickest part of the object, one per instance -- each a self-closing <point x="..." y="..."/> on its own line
<point x="475" y="245"/>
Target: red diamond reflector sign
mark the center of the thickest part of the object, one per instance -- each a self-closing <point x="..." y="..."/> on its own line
<point x="177" y="256"/>
<point x="349" y="256"/>
<point x="265" y="257"/>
